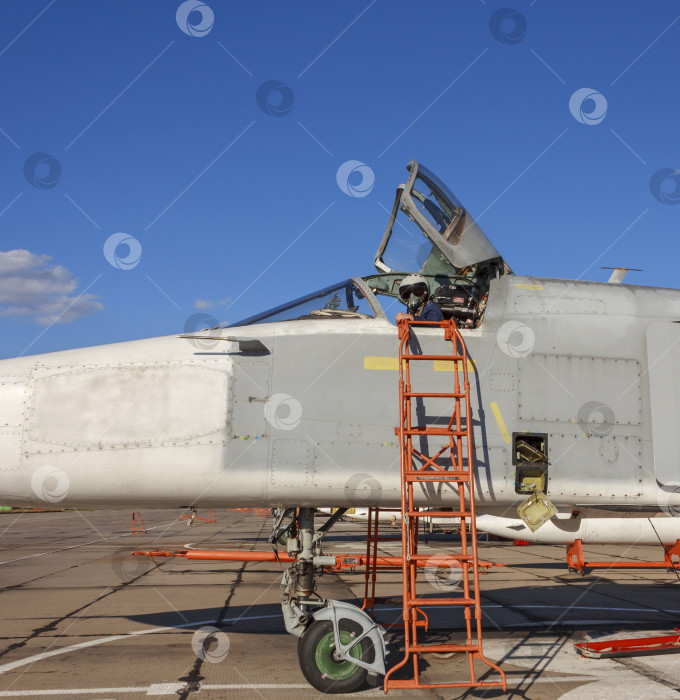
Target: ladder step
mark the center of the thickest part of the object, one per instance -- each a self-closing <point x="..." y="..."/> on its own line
<point x="444" y="358"/>
<point x="437" y="480"/>
<point x="435" y="431"/>
<point x="438" y="514"/>
<point x="424" y="602"/>
<point x="453" y="477"/>
<point x="409" y="683"/>
<point x="434" y="324"/>
<point x="433" y="395"/>
<point x="451" y="474"/>
<point x="421" y="648"/>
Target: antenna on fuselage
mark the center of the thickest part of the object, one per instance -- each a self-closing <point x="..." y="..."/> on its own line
<point x="619" y="273"/>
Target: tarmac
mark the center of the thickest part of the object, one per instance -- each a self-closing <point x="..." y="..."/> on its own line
<point x="83" y="619"/>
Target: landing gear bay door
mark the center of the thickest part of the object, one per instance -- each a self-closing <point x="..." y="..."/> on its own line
<point x="436" y="233"/>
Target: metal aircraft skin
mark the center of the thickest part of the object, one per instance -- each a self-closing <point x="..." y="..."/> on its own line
<point x="574" y="389"/>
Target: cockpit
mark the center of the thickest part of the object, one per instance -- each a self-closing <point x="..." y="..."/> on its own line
<point x="429" y="232"/>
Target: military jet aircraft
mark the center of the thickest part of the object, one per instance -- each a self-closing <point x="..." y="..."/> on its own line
<point x="574" y="390"/>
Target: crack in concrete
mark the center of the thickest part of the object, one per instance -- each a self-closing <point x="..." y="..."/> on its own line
<point x="646" y="671"/>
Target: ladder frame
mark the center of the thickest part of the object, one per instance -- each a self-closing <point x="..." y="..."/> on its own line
<point x="460" y="477"/>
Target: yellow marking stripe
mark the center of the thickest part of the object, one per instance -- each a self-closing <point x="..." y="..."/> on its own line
<point x="518" y="285"/>
<point x="500" y="421"/>
<point x="376" y="362"/>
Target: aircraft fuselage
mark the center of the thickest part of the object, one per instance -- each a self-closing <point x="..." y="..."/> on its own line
<point x="310" y="421"/>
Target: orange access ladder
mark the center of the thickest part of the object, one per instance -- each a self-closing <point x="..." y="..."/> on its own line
<point x="451" y="466"/>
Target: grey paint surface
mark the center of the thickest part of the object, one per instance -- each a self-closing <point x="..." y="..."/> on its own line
<point x="663" y="353"/>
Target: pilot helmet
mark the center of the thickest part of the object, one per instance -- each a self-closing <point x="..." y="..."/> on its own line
<point x="413" y="290"/>
<point x="413" y="284"/>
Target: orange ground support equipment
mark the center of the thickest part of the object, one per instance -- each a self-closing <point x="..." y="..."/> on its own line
<point x="642" y="646"/>
<point x="343" y="562"/>
<point x="451" y="467"/>
<point x="192" y="517"/>
<point x="577" y="562"/>
<point x="137" y="527"/>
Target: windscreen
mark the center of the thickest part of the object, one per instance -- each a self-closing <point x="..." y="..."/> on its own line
<point x="344" y="300"/>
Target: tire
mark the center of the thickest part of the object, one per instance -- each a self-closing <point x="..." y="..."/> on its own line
<point x="317" y="664"/>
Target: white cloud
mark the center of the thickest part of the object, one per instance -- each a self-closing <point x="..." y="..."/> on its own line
<point x="31" y="286"/>
<point x="205" y="304"/>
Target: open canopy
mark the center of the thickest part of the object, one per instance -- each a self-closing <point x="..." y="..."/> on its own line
<point x="429" y="230"/>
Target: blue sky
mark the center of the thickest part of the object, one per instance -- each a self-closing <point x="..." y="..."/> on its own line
<point x="150" y="127"/>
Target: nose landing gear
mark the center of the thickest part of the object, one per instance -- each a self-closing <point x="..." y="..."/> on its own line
<point x="339" y="645"/>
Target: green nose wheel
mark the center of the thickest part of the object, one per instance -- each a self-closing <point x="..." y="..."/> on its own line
<point x="319" y="662"/>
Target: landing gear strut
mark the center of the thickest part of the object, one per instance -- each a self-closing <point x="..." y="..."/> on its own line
<point x="339" y="645"/>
